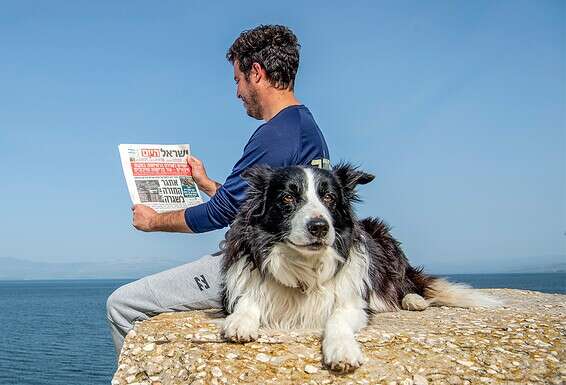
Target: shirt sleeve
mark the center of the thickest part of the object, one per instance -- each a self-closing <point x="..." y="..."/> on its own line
<point x="273" y="150"/>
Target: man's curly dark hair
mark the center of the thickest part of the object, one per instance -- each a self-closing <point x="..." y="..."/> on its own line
<point x="274" y="47"/>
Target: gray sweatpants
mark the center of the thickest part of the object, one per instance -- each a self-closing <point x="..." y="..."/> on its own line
<point x="192" y="286"/>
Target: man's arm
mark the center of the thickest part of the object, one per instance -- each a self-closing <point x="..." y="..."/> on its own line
<point x="147" y="219"/>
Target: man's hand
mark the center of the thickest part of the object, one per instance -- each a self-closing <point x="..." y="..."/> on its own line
<point x="147" y="219"/>
<point x="207" y="185"/>
<point x="143" y="217"/>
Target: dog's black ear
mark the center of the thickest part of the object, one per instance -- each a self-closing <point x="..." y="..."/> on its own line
<point x="349" y="177"/>
<point x="258" y="177"/>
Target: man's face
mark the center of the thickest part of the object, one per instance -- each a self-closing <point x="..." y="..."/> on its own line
<point x="247" y="91"/>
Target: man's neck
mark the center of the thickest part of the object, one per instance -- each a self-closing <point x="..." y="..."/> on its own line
<point x="277" y="102"/>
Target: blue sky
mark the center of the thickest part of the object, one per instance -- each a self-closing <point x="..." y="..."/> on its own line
<point x="458" y="108"/>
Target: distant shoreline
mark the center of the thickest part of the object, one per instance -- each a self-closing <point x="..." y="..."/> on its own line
<point x="135" y="278"/>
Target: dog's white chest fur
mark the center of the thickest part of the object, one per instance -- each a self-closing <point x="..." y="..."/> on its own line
<point x="297" y="292"/>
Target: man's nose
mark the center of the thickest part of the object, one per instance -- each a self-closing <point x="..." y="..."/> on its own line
<point x="318" y="227"/>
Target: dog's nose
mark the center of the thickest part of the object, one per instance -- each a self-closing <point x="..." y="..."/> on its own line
<point x="318" y="227"/>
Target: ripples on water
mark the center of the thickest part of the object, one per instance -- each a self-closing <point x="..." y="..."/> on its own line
<point x="55" y="332"/>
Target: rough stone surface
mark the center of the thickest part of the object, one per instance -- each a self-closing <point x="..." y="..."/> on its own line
<point x="520" y="343"/>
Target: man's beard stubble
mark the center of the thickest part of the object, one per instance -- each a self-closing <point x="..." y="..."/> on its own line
<point x="253" y="107"/>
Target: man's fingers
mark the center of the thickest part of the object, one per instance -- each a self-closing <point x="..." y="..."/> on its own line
<point x="192" y="160"/>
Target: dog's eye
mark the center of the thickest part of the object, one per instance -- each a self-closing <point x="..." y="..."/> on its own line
<point x="288" y="199"/>
<point x="328" y="198"/>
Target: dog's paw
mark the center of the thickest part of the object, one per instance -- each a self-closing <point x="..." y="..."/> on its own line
<point x="414" y="302"/>
<point x="241" y="328"/>
<point x="342" y="354"/>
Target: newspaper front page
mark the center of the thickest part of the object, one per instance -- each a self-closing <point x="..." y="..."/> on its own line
<point x="158" y="176"/>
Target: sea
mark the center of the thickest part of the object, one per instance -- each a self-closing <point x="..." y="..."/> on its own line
<point x="54" y="332"/>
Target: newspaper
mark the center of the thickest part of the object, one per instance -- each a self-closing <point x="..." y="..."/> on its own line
<point x="159" y="176"/>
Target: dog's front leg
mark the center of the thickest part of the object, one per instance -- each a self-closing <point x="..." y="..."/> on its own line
<point x="340" y="349"/>
<point x="243" y="324"/>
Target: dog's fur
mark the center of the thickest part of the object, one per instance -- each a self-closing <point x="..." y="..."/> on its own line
<point x="297" y="257"/>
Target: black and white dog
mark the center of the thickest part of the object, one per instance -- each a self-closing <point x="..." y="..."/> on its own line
<point x="297" y="257"/>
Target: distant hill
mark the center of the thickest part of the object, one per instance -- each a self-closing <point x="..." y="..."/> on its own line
<point x="558" y="267"/>
<point x="529" y="264"/>
<point x="16" y="269"/>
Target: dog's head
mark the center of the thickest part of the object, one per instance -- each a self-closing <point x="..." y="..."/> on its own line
<point x="308" y="209"/>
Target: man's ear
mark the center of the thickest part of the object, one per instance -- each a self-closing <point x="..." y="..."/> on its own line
<point x="349" y="177"/>
<point x="256" y="72"/>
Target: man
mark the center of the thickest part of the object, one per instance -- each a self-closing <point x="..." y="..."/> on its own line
<point x="265" y="61"/>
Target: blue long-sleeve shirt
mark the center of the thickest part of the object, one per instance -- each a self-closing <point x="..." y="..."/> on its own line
<point x="291" y="137"/>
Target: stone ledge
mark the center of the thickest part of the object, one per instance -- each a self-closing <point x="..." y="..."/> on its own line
<point x="520" y="343"/>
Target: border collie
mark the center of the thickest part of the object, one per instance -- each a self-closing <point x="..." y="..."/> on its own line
<point x="297" y="257"/>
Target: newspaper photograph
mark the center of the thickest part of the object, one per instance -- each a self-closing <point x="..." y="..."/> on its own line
<point x="159" y="176"/>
